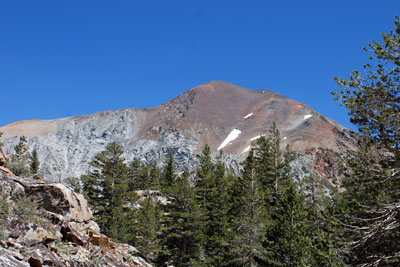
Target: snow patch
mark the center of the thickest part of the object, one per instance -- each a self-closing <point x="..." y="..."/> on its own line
<point x="284" y="138"/>
<point x="247" y="149"/>
<point x="248" y="116"/>
<point x="307" y="116"/>
<point x="254" y="138"/>
<point x="232" y="136"/>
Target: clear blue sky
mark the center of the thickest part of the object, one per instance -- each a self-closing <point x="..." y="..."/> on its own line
<point x="66" y="58"/>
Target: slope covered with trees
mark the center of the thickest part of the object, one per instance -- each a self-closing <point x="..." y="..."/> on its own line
<point x="259" y="218"/>
<point x="263" y="216"/>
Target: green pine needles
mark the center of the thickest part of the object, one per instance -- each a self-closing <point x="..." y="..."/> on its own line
<point x="370" y="207"/>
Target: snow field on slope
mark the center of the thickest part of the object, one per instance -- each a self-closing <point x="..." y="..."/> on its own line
<point x="307" y="116"/>
<point x="248" y="116"/>
<point x="254" y="138"/>
<point x="232" y="136"/>
<point x="247" y="149"/>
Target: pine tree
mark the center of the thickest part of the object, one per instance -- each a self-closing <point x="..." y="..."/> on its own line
<point x="204" y="178"/>
<point x="287" y="242"/>
<point x="324" y="229"/>
<point x="168" y="175"/>
<point x="147" y="229"/>
<point x="249" y="225"/>
<point x="34" y="163"/>
<point x="217" y="214"/>
<point x="211" y="189"/>
<point x="140" y="176"/>
<point x="21" y="148"/>
<point x="269" y="163"/>
<point x="275" y="140"/>
<point x="19" y="163"/>
<point x="155" y="176"/>
<point x="144" y="180"/>
<point x="371" y="200"/>
<point x="106" y="188"/>
<point x="1" y="143"/>
<point x="265" y="167"/>
<point x="314" y="188"/>
<point x="133" y="174"/>
<point x="182" y="237"/>
<point x="369" y="208"/>
<point x="203" y="185"/>
<point x="74" y="183"/>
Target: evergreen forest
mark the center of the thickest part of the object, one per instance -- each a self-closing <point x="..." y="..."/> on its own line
<point x="265" y="216"/>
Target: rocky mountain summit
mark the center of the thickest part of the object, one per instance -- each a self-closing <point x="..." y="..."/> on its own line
<point x="47" y="224"/>
<point x="225" y="116"/>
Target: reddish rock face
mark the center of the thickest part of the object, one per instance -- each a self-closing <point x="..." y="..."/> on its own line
<point x="216" y="108"/>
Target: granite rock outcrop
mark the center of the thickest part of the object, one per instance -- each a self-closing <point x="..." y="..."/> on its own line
<point x="47" y="224"/>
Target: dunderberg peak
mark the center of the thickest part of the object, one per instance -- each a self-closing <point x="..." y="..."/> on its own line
<point x="228" y="117"/>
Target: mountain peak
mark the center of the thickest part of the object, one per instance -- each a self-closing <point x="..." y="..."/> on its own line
<point x="220" y="86"/>
<point x="216" y="83"/>
<point x="220" y="114"/>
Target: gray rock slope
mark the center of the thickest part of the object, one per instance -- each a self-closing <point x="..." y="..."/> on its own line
<point x="67" y="151"/>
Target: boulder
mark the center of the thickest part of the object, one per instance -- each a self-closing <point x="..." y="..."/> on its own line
<point x="71" y="234"/>
<point x="85" y="227"/>
<point x="27" y="233"/>
<point x="43" y="256"/>
<point x="59" y="199"/>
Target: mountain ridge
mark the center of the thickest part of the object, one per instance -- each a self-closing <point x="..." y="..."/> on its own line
<point x="205" y="114"/>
